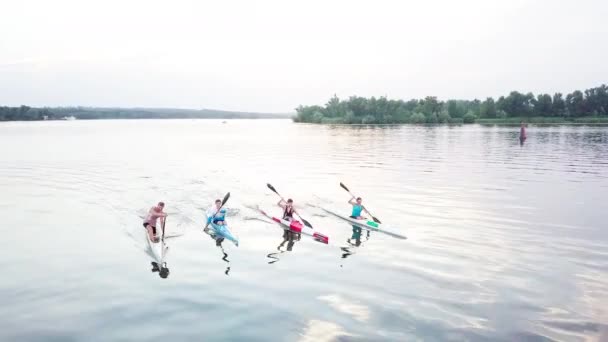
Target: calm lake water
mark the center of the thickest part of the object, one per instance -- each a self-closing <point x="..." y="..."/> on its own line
<point x="505" y="242"/>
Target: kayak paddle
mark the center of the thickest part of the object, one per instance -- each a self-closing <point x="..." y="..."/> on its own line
<point x="345" y="188"/>
<point x="163" y="227"/>
<point x="306" y="223"/>
<point x="223" y="202"/>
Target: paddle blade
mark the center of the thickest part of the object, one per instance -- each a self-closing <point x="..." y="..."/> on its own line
<point x="344" y="186"/>
<point x="226" y="198"/>
<point x="376" y="220"/>
<point x="306" y="223"/>
<point x="321" y="238"/>
<point x="271" y="188"/>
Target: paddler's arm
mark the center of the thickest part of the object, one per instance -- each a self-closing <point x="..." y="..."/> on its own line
<point x="162" y="217"/>
<point x="281" y="203"/>
<point x="210" y="214"/>
<point x="351" y="201"/>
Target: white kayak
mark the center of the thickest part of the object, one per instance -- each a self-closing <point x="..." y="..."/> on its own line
<point x="366" y="224"/>
<point x="157" y="250"/>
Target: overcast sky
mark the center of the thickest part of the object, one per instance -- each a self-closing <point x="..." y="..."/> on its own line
<point x="271" y="56"/>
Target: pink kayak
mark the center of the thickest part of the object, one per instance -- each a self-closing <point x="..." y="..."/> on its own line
<point x="297" y="227"/>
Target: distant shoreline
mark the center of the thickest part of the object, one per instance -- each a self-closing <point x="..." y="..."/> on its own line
<point x="142" y="119"/>
<point x="26" y="113"/>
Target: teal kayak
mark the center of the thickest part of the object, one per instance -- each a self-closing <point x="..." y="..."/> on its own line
<point x="366" y="224"/>
<point x="224" y="232"/>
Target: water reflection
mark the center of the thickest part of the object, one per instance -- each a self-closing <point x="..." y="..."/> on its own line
<point x="162" y="269"/>
<point x="507" y="243"/>
<point x="158" y="252"/>
<point x="218" y="242"/>
<point x="290" y="239"/>
<point x="354" y="241"/>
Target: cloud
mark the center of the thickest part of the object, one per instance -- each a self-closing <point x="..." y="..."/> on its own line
<point x="357" y="311"/>
<point x="321" y="331"/>
<point x="272" y="55"/>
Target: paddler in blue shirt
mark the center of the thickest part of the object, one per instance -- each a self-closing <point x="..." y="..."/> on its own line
<point x="214" y="216"/>
<point x="357" y="208"/>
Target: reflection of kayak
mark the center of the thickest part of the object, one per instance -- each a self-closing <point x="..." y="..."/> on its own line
<point x="224" y="231"/>
<point x="156" y="250"/>
<point x="367" y="224"/>
<point x="297" y="227"/>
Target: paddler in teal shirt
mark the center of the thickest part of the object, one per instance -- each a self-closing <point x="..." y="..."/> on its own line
<point x="357" y="208"/>
<point x="216" y="214"/>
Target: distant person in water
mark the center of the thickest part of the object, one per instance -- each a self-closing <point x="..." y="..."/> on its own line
<point x="154" y="214"/>
<point x="216" y="213"/>
<point x="288" y="209"/>
<point x="357" y="208"/>
<point x="522" y="133"/>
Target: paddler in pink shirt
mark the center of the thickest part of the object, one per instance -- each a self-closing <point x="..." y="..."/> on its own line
<point x="154" y="214"/>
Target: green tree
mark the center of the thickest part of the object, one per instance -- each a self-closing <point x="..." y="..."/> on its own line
<point x="559" y="105"/>
<point x="453" y="109"/>
<point x="444" y="117"/>
<point x="402" y="115"/>
<point x="543" y="105"/>
<point x="368" y="119"/>
<point x="317" y="117"/>
<point x="488" y="108"/>
<point x="417" y="118"/>
<point x="350" y="118"/>
<point x="358" y="105"/>
<point x="430" y="105"/>
<point x="469" y="118"/>
<point x="305" y="114"/>
<point x="333" y="108"/>
<point x="432" y="118"/>
<point x="575" y="103"/>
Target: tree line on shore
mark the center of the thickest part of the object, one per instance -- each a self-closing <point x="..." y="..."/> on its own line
<point x="360" y="110"/>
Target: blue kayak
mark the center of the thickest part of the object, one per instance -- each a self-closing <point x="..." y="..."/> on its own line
<point x="224" y="232"/>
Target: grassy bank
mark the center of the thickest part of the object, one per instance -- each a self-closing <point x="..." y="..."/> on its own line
<point x="545" y="120"/>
